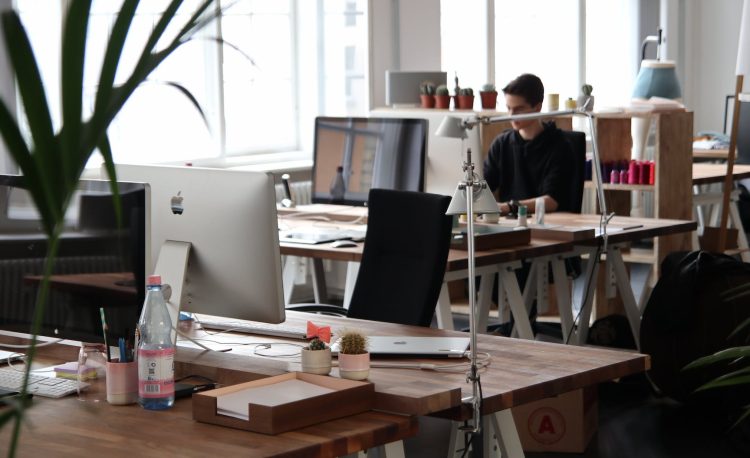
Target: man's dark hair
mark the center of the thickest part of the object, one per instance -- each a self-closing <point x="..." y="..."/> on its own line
<point x="528" y="86"/>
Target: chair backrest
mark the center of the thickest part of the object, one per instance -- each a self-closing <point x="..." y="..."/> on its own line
<point x="577" y="142"/>
<point x="404" y="259"/>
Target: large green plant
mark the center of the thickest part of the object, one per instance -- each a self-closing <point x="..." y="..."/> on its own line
<point x="52" y="162"/>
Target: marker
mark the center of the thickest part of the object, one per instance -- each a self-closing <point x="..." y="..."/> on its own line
<point x="123" y="351"/>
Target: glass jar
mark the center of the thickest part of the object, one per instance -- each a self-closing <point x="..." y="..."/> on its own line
<point x="92" y="363"/>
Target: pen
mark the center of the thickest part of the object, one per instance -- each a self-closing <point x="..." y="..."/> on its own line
<point x="123" y="351"/>
<point x="104" y="331"/>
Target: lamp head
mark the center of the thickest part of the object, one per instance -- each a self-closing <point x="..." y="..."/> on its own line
<point x="451" y="127"/>
<point x="484" y="201"/>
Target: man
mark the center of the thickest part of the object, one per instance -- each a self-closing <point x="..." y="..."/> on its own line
<point x="531" y="160"/>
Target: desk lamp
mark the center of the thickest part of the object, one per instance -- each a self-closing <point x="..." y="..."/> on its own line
<point x="742" y="69"/>
<point x="473" y="196"/>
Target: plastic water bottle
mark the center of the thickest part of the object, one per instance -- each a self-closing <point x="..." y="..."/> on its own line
<point x="155" y="350"/>
<point x="338" y="187"/>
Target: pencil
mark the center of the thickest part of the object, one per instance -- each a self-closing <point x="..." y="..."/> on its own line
<point x="104" y="331"/>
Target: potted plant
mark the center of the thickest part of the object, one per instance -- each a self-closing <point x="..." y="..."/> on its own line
<point x="52" y="160"/>
<point x="316" y="357"/>
<point x="442" y="97"/>
<point x="586" y="100"/>
<point x="465" y="98"/>
<point x="427" y="94"/>
<point x="354" y="359"/>
<point x="488" y="96"/>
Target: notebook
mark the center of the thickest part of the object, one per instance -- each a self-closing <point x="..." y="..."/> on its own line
<point x="443" y="347"/>
<point x="312" y="236"/>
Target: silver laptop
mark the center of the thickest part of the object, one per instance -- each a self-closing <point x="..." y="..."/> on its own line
<point x="443" y="347"/>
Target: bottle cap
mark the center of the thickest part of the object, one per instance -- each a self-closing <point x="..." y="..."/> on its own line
<point x="154" y="280"/>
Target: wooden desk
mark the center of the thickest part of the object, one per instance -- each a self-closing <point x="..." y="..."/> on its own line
<point x="71" y="428"/>
<point x="715" y="173"/>
<point x="711" y="154"/>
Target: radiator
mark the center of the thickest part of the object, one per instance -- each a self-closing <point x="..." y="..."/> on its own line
<point x="301" y="192"/>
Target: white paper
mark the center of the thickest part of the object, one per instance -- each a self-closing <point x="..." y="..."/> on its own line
<point x="235" y="404"/>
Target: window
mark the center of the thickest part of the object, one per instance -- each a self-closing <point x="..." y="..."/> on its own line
<point x="295" y="60"/>
<point x="554" y="39"/>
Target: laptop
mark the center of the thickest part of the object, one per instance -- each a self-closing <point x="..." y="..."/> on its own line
<point x="440" y="347"/>
<point x="14" y="356"/>
<point x="313" y="236"/>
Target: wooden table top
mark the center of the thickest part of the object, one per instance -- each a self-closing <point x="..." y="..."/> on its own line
<point x="711" y="154"/>
<point x="520" y="371"/>
<point x="623" y="229"/>
<point x="715" y="173"/>
<point x="110" y="285"/>
<point x="68" y="427"/>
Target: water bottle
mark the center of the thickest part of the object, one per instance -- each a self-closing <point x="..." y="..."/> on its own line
<point x="155" y="350"/>
<point x="338" y="187"/>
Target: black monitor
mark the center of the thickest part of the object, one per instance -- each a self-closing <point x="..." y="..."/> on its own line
<point x="386" y="153"/>
<point x="98" y="263"/>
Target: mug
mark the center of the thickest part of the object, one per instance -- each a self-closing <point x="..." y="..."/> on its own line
<point x="553" y="102"/>
<point x="122" y="382"/>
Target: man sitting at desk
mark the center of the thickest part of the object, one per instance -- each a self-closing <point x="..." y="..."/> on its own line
<point x="532" y="159"/>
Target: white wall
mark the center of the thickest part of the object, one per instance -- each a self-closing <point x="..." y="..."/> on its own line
<point x="711" y="38"/>
<point x="404" y="35"/>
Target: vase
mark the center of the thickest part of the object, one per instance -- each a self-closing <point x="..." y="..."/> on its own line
<point x="354" y="367"/>
<point x="428" y="101"/>
<point x="465" y="102"/>
<point x="442" y="101"/>
<point x="316" y="361"/>
<point x="489" y="99"/>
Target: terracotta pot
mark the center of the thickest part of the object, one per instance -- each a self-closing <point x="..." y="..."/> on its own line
<point x="465" y="102"/>
<point x="428" y="101"/>
<point x="354" y="367"/>
<point x="489" y="100"/>
<point x="316" y="361"/>
<point x="442" y="101"/>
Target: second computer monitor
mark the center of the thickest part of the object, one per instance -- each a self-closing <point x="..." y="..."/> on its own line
<point x="229" y="218"/>
<point x="352" y="155"/>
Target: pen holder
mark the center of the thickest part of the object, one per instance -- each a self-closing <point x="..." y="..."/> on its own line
<point x="122" y="382"/>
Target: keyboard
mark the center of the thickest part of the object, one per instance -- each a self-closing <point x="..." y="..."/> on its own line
<point x="262" y="329"/>
<point x="49" y="387"/>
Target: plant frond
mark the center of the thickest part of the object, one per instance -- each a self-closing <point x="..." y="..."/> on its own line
<point x="191" y="98"/>
<point x="723" y="355"/>
<point x="109" y="164"/>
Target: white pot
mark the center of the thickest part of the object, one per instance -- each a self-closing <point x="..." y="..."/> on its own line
<point x="316" y="361"/>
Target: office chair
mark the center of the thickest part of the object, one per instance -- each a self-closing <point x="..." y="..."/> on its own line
<point x="403" y="262"/>
<point x="577" y="142"/>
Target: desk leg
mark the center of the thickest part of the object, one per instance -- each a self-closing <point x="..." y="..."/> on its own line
<point x="484" y="297"/>
<point x="506" y="433"/>
<point x="626" y="292"/>
<point x="562" y="294"/>
<point x="443" y="310"/>
<point x="352" y="270"/>
<point x="587" y="296"/>
<point x="288" y="276"/>
<point x="391" y="450"/>
<point x="509" y="283"/>
<point x="319" y="281"/>
<point x="734" y="214"/>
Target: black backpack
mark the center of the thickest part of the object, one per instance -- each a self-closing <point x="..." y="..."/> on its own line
<point x="687" y="317"/>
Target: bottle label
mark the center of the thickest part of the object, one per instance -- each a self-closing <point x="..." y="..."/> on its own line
<point x="155" y="373"/>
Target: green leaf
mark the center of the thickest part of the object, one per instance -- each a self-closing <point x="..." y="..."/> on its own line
<point x="742" y="417"/>
<point x="736" y="292"/>
<point x="723" y="355"/>
<point x="739" y="328"/>
<point x="112" y="55"/>
<point x="733" y="381"/>
<point x="106" y="150"/>
<point x="191" y="98"/>
<point x="73" y="57"/>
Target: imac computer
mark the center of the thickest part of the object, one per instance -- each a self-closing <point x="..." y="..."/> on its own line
<point x="99" y="264"/>
<point x="352" y="155"/>
<point x="227" y="219"/>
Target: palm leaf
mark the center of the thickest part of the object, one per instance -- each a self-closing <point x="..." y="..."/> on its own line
<point x="112" y="55"/>
<point x="189" y="95"/>
<point x="723" y="355"/>
<point x="106" y="151"/>
<point x="724" y="382"/>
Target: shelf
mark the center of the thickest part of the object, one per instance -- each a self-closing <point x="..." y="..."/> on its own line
<point x="621" y="187"/>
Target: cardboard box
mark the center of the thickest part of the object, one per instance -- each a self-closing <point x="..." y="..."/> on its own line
<point x="564" y="423"/>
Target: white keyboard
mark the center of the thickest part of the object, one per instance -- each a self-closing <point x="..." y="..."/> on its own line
<point x="50" y="387"/>
<point x="262" y="329"/>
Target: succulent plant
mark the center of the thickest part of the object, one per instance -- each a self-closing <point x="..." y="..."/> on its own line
<point x="316" y="344"/>
<point x="442" y="90"/>
<point x="427" y="88"/>
<point x="352" y="343"/>
<point x="586" y="89"/>
<point x="489" y="87"/>
<point x="466" y="91"/>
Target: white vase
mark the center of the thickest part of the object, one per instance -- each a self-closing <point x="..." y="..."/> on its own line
<point x="316" y="361"/>
<point x="354" y="367"/>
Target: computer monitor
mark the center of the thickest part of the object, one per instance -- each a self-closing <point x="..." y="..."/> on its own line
<point x="386" y="153"/>
<point x="229" y="219"/>
<point x="98" y="264"/>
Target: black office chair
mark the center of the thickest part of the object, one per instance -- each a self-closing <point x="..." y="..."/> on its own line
<point x="577" y="142"/>
<point x="403" y="262"/>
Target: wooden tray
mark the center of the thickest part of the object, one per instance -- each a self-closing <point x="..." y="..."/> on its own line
<point x="488" y="237"/>
<point x="346" y="397"/>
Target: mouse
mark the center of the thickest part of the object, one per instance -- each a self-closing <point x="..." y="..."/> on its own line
<point x="343" y="244"/>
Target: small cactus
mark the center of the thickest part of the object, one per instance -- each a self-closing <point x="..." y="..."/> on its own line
<point x="489" y="87"/>
<point x="587" y="89"/>
<point x="352" y="343"/>
<point x="316" y="344"/>
<point x="427" y="88"/>
<point x="442" y="90"/>
<point x="466" y="91"/>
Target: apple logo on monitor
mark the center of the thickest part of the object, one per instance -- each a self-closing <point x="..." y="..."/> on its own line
<point x="176" y="204"/>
